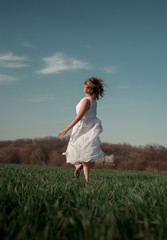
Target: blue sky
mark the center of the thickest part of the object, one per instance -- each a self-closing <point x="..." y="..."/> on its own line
<point x="49" y="48"/>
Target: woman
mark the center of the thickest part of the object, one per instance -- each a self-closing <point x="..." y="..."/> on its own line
<point x="84" y="144"/>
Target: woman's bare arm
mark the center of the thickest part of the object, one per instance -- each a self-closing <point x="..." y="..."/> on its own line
<point x="84" y="108"/>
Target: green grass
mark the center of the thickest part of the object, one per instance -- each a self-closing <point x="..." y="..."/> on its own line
<point x="38" y="202"/>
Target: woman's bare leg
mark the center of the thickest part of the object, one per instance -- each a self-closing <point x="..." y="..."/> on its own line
<point x="77" y="165"/>
<point x="86" y="169"/>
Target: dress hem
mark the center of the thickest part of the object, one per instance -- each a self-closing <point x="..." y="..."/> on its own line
<point x="81" y="160"/>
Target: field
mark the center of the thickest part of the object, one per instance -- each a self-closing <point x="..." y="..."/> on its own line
<point x="39" y="202"/>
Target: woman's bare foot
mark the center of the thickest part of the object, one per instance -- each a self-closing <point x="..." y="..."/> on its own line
<point x="77" y="171"/>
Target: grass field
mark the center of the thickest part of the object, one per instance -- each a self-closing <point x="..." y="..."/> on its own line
<point x="38" y="202"/>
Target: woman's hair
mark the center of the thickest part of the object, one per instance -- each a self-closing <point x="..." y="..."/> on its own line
<point x="96" y="87"/>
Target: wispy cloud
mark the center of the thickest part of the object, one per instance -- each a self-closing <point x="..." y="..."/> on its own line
<point x="7" y="78"/>
<point x="26" y="45"/>
<point x="88" y="46"/>
<point x="123" y="87"/>
<point x="40" y="99"/>
<point x="110" y="69"/>
<point x="9" y="60"/>
<point x="59" y="62"/>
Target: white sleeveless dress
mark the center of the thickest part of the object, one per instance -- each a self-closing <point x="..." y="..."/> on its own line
<point x="84" y="142"/>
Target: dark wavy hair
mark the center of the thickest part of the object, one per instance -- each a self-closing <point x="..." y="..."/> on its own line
<point x="96" y="87"/>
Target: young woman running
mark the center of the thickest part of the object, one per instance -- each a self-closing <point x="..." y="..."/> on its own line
<point x="84" y="143"/>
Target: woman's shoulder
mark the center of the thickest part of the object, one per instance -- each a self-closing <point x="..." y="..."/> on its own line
<point x="85" y="99"/>
<point x="89" y="98"/>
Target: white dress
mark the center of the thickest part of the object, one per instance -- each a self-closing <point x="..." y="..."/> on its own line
<point x="84" y="142"/>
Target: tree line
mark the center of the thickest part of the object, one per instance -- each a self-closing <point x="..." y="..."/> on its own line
<point x="48" y="151"/>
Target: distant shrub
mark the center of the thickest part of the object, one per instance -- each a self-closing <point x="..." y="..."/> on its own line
<point x="108" y="161"/>
<point x="38" y="157"/>
<point x="9" y="155"/>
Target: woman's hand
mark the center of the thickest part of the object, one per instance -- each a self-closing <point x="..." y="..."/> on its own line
<point x="62" y="133"/>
